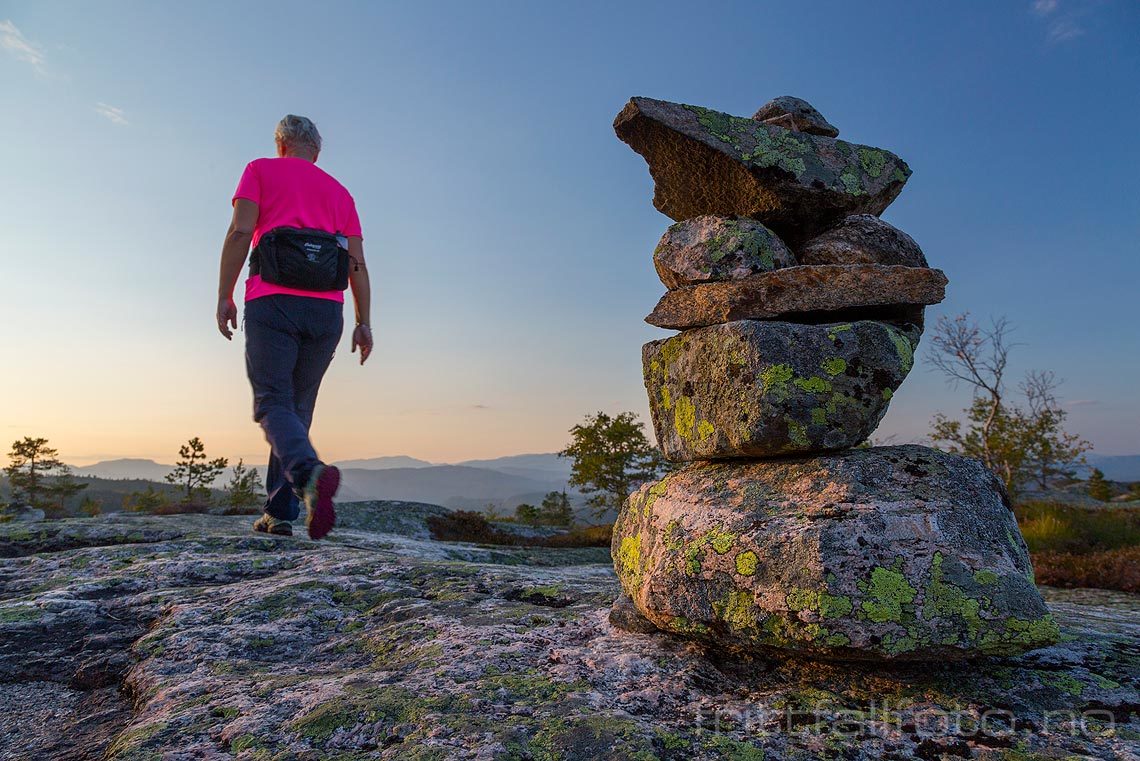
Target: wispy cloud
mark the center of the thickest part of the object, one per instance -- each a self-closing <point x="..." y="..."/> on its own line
<point x="1064" y="29"/>
<point x="13" y="41"/>
<point x="1082" y="403"/>
<point x="1062" y="23"/>
<point x="113" y="114"/>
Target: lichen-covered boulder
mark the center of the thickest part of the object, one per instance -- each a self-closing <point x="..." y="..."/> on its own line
<point x="796" y="183"/>
<point x="763" y="389"/>
<point x="853" y="291"/>
<point x="795" y="113"/>
<point x="885" y="553"/>
<point x="710" y="248"/>
<point x="863" y="239"/>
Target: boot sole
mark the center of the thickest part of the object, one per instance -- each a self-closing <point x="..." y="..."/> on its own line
<point x="323" y="517"/>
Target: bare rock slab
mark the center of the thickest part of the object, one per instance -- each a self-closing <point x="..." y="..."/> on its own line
<point x="795" y="291"/>
<point x="711" y="248"/>
<point x="890" y="553"/>
<point x="798" y="184"/>
<point x="863" y="239"/>
<point x="765" y="389"/>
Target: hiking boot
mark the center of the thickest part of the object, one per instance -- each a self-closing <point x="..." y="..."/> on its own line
<point x="267" y="524"/>
<point x="318" y="495"/>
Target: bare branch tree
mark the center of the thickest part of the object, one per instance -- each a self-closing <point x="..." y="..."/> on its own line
<point x="1018" y="442"/>
<point x="967" y="353"/>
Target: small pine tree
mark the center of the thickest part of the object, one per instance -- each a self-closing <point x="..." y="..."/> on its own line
<point x="556" y="509"/>
<point x="91" y="507"/>
<point x="194" y="472"/>
<point x="37" y="477"/>
<point x="527" y="514"/>
<point x="244" y="489"/>
<point x="62" y="488"/>
<point x="145" y="501"/>
<point x="1098" y="487"/>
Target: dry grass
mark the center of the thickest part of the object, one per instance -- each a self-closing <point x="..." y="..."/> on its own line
<point x="1083" y="547"/>
<point x="1110" y="569"/>
<point x="1049" y="527"/>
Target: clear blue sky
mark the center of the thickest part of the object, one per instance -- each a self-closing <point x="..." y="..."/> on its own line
<point x="509" y="232"/>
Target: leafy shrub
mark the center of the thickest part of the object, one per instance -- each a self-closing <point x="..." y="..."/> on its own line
<point x="1110" y="569"/>
<point x="467" y="526"/>
<point x="585" y="536"/>
<point x="242" y="509"/>
<point x="1050" y="527"/>
<point x="148" y="501"/>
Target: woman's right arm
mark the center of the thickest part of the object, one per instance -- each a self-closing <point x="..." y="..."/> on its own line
<point x="234" y="251"/>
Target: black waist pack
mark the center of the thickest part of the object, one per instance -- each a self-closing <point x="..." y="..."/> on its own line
<point x="309" y="260"/>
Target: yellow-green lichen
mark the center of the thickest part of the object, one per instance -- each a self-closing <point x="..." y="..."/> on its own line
<point x="852" y="184"/>
<point x="825" y="604"/>
<point x="746" y="563"/>
<point x="872" y="161"/>
<point x="836" y="329"/>
<point x="737" y="609"/>
<point x="948" y="600"/>
<point x="814" y="384"/>
<point x="684" y="417"/>
<point x="674" y="538"/>
<point x="720" y="541"/>
<point x="888" y="591"/>
<point x="682" y="625"/>
<point x="666" y="402"/>
<point x="797" y="434"/>
<point x="655" y="491"/>
<point x="774" y="380"/>
<point x="1036" y="632"/>
<point x="835" y="366"/>
<point x="985" y="577"/>
<point x="896" y="644"/>
<point x="903" y="346"/>
<point x="819" y="416"/>
<point x="704" y="430"/>
<point x="629" y="559"/>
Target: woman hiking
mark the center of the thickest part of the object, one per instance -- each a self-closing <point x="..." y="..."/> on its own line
<point x="307" y="249"/>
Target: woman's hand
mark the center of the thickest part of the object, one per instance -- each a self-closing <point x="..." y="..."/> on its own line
<point x="227" y="315"/>
<point x="362" y="337"/>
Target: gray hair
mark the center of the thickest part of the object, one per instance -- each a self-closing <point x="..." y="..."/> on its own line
<point x="298" y="132"/>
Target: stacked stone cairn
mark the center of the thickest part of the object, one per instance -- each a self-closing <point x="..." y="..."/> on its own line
<point x="800" y="311"/>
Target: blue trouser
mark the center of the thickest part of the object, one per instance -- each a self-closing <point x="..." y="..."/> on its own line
<point x="289" y="342"/>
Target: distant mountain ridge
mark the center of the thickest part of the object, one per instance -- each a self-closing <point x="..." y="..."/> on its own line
<point x="384" y="463"/>
<point x="504" y="482"/>
<point x="540" y="467"/>
<point x="455" y="486"/>
<point x="1125" y="467"/>
<point x="126" y="468"/>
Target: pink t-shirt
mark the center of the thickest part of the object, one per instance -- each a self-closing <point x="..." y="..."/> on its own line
<point x="294" y="192"/>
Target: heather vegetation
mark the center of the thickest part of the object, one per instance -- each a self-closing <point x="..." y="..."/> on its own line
<point x="1074" y="546"/>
